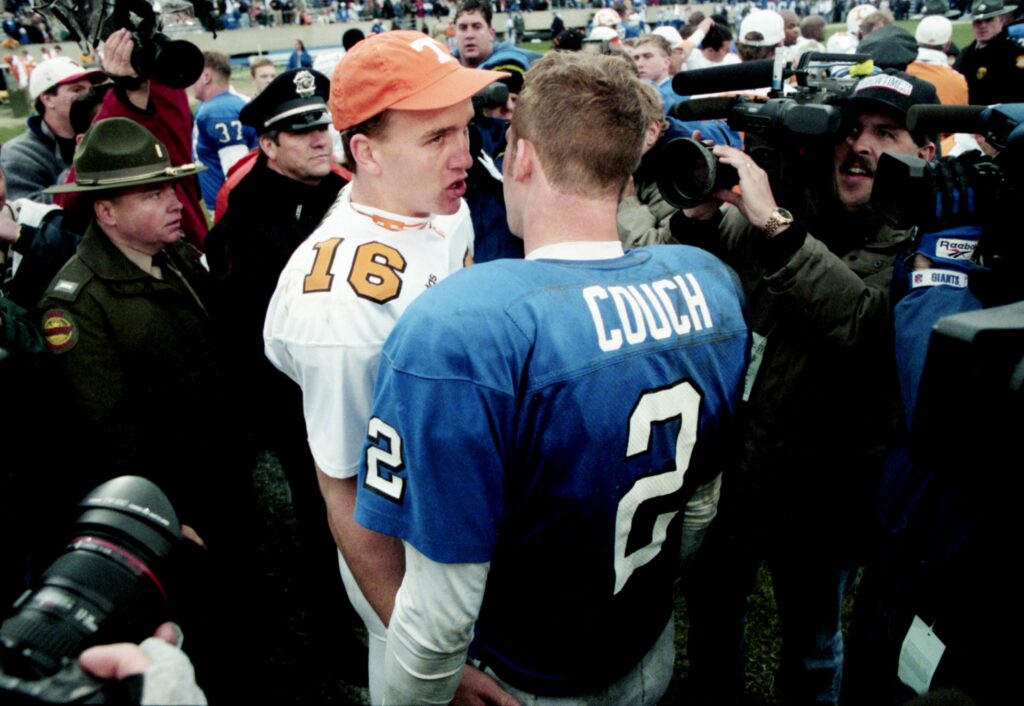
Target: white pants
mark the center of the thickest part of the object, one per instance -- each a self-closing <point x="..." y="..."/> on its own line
<point x="378" y="633"/>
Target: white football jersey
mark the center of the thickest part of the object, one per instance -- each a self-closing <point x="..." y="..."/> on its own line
<point x="335" y="304"/>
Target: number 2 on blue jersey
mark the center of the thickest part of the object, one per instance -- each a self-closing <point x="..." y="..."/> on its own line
<point x="681" y="400"/>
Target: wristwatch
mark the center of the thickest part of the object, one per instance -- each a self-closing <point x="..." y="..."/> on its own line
<point x="780" y="217"/>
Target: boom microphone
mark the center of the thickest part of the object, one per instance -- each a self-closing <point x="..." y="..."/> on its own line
<point x="712" y="108"/>
<point x="946" y="118"/>
<point x="744" y="76"/>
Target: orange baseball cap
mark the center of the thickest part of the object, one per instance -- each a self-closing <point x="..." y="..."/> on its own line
<point x="404" y="70"/>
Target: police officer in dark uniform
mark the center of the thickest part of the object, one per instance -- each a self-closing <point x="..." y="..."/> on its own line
<point x="274" y="207"/>
<point x="141" y="378"/>
<point x="993" y="64"/>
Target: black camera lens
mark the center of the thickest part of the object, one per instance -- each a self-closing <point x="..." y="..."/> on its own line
<point x="689" y="173"/>
<point x="174" y="63"/>
<point x="110" y="585"/>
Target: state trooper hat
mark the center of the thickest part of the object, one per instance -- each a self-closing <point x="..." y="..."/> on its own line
<point x="295" y="101"/>
<point x="984" y="9"/>
<point x="118" y="153"/>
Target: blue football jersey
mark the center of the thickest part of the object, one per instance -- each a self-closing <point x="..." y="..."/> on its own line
<point x="553" y="417"/>
<point x="218" y="126"/>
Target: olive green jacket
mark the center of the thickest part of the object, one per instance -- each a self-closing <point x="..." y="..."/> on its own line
<point x="141" y="383"/>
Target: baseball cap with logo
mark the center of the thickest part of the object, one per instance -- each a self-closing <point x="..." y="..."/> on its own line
<point x="856" y="16"/>
<point x="401" y="70"/>
<point x="985" y="9"/>
<point x="934" y="31"/>
<point x="57" y="72"/>
<point x="894" y="90"/>
<point x="762" y="28"/>
<point x="118" y="153"/>
<point x="294" y="101"/>
<point x="606" y="17"/>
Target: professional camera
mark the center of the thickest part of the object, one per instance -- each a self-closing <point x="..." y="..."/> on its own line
<point x="175" y="63"/>
<point x="967" y="190"/>
<point x="779" y="131"/>
<point x="954" y="191"/>
<point x="110" y="585"/>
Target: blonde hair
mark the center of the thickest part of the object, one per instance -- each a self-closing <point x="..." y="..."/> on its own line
<point x="586" y="116"/>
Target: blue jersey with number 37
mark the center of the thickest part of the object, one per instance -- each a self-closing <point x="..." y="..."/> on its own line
<point x="553" y="417"/>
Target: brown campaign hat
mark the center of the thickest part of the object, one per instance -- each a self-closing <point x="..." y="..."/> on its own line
<point x="118" y="153"/>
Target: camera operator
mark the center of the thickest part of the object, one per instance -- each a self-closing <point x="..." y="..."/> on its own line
<point x="932" y="599"/>
<point x="162" y="110"/>
<point x="820" y="406"/>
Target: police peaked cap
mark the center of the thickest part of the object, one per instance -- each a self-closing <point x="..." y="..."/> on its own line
<point x="294" y="101"/>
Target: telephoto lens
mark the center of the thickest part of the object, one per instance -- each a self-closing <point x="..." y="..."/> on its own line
<point x="689" y="173"/>
<point x="111" y="584"/>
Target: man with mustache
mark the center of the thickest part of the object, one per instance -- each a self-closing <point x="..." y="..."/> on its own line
<point x="820" y="399"/>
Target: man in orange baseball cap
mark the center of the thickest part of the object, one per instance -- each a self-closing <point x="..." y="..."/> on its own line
<point x="402" y="105"/>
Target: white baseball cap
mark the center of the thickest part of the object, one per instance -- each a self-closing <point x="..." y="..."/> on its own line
<point x="606" y="17"/>
<point x="603" y="34"/>
<point x="767" y="23"/>
<point x="671" y="35"/>
<point x="934" y="31"/>
<point x="857" y="16"/>
<point x="58" y="71"/>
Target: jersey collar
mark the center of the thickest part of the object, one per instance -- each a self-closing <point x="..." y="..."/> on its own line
<point x="579" y="250"/>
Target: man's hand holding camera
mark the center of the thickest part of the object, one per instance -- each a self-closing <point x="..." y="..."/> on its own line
<point x="755" y="202"/>
<point x="116" y="60"/>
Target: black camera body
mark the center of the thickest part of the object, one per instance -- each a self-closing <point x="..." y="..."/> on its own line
<point x="175" y="63"/>
<point x="112" y="584"/>
<point x="780" y="131"/>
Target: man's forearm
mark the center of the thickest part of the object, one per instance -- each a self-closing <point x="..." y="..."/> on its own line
<point x="376" y="561"/>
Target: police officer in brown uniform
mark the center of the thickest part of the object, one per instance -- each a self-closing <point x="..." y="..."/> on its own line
<point x="140" y="376"/>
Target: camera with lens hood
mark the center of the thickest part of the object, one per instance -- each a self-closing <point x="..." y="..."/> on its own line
<point x="175" y="63"/>
<point x="112" y="584"/>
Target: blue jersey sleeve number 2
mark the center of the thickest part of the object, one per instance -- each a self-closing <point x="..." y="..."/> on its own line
<point x="681" y="400"/>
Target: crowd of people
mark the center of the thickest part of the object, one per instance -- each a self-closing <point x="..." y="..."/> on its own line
<point x="518" y="392"/>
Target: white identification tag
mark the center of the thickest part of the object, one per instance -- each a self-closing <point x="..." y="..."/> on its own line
<point x="934" y="278"/>
<point x="919" y="656"/>
<point x="756" y="356"/>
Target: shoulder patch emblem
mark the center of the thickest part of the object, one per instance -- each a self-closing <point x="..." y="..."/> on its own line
<point x="59" y="330"/>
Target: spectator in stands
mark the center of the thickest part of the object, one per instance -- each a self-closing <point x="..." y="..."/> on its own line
<point x="934" y="34"/>
<point x="263" y="72"/>
<point x="761" y="32"/>
<point x="791" y="26"/>
<point x="220" y="138"/>
<point x="300" y="58"/>
<point x="715" y="50"/>
<point x="652" y="53"/>
<point x="36" y="159"/>
<point x="879" y="18"/>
